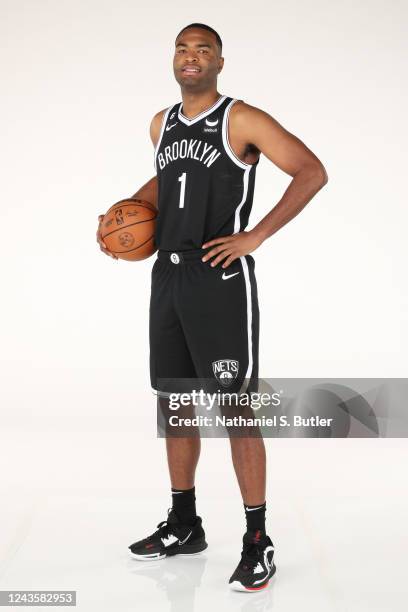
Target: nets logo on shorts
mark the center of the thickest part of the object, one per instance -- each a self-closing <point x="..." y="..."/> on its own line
<point x="225" y="371"/>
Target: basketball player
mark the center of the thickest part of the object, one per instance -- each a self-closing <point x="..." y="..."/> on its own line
<point x="204" y="316"/>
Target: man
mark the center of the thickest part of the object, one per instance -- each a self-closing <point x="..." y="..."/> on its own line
<point x="204" y="319"/>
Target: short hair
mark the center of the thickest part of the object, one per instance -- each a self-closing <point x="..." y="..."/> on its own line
<point x="203" y="26"/>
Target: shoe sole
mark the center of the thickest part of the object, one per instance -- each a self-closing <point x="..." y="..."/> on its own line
<point x="154" y="557"/>
<point x="190" y="551"/>
<point x="238" y="586"/>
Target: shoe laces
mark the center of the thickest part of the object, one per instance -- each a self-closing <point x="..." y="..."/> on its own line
<point x="163" y="529"/>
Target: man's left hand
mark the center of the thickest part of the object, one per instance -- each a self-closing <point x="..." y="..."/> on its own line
<point x="231" y="247"/>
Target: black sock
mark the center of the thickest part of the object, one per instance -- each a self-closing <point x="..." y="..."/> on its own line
<point x="184" y="505"/>
<point x="255" y="517"/>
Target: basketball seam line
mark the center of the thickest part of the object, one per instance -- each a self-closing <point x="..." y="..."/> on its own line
<point x="124" y="228"/>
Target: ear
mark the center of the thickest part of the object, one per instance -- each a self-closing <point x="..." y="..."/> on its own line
<point x="220" y="64"/>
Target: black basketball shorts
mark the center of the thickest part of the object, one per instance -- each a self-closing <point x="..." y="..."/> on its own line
<point x="204" y="324"/>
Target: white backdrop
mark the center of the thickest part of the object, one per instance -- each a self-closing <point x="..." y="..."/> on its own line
<point x="81" y="81"/>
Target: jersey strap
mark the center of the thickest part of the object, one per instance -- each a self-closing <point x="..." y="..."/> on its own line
<point x="169" y="115"/>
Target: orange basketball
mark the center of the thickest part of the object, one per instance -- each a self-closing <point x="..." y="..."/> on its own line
<point x="128" y="229"/>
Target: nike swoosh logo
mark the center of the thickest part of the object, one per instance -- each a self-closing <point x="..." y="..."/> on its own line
<point x="225" y="276"/>
<point x="208" y="122"/>
<point x="251" y="509"/>
<point x="185" y="539"/>
<point x="168" y="127"/>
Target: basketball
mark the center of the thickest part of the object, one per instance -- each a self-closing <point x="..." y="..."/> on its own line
<point x="128" y="229"/>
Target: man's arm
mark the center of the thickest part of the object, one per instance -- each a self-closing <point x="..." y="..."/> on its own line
<point x="252" y="130"/>
<point x="148" y="191"/>
<point x="288" y="153"/>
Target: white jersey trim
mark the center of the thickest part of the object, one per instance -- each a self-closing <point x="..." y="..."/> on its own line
<point x="160" y="393"/>
<point x="193" y="120"/>
<point x="163" y="125"/>
<point x="249" y="318"/>
<point x="237" y="220"/>
<point x="226" y="142"/>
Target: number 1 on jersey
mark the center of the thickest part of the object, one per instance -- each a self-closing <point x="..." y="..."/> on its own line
<point x="182" y="180"/>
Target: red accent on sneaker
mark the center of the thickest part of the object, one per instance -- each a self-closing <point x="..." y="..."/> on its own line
<point x="257" y="536"/>
<point x="149" y="545"/>
<point x="257" y="588"/>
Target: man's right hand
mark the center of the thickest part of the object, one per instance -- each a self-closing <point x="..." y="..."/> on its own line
<point x="101" y="243"/>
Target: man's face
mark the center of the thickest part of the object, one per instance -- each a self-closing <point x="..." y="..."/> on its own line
<point x="197" y="60"/>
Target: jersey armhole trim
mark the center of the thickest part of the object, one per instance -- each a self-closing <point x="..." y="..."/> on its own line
<point x="226" y="142"/>
<point x="163" y="124"/>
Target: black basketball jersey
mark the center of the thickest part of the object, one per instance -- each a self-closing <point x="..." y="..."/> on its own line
<point x="205" y="191"/>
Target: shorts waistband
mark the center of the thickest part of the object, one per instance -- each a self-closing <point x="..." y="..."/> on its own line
<point x="180" y="257"/>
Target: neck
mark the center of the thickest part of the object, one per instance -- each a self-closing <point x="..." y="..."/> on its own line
<point x="195" y="103"/>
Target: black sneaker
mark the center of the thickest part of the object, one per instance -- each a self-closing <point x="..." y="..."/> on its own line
<point x="171" y="538"/>
<point x="256" y="566"/>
